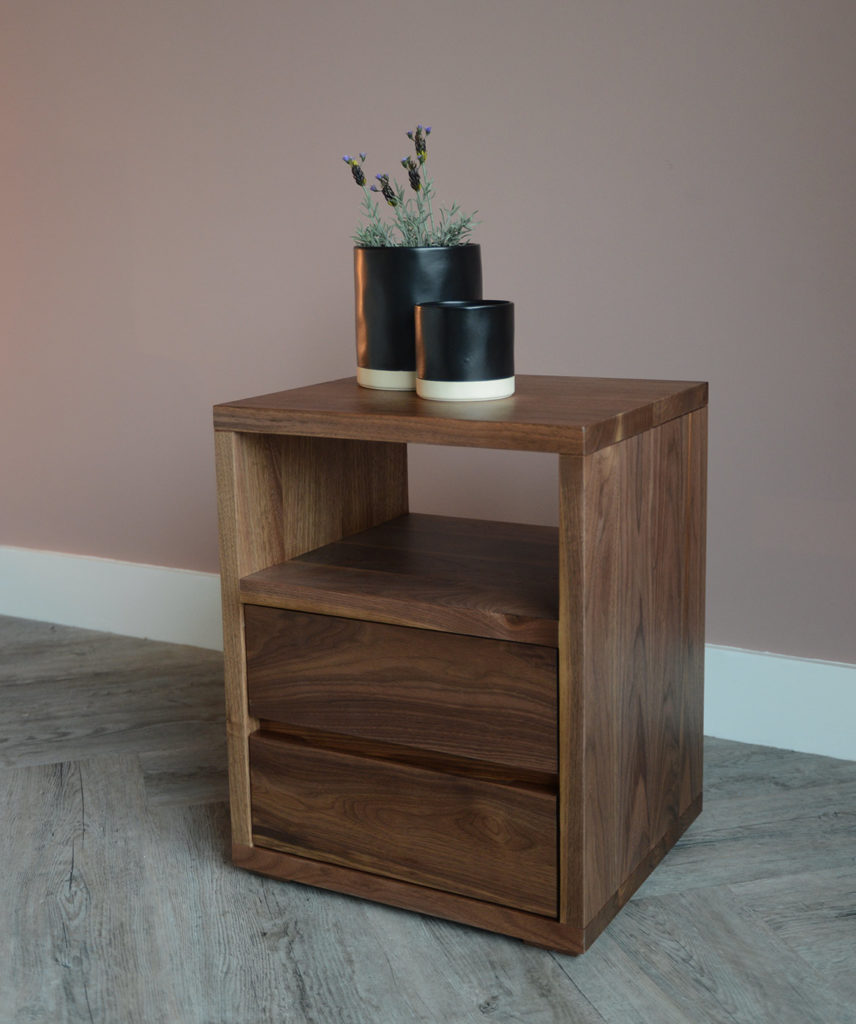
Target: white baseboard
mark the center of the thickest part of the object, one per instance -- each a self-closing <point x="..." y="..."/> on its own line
<point x="151" y="601"/>
<point x="777" y="701"/>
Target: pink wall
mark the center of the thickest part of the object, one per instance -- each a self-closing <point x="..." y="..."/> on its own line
<point x="666" y="189"/>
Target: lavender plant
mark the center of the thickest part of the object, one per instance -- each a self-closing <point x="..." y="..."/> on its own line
<point x="412" y="221"/>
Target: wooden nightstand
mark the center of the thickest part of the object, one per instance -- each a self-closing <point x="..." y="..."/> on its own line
<point x="496" y="723"/>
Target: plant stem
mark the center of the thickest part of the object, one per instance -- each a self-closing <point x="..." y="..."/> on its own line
<point x="377" y="231"/>
<point x="371" y="207"/>
<point x="427" y="186"/>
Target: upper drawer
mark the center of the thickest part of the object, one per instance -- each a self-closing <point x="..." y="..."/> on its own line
<point x="486" y="699"/>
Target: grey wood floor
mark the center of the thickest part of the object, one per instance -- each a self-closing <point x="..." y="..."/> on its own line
<point x="118" y="903"/>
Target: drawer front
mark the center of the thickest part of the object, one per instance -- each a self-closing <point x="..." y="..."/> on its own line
<point x="491" y="700"/>
<point x="492" y="842"/>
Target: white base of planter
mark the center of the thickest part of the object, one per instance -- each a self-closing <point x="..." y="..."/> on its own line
<point x="386" y="380"/>
<point x="465" y="390"/>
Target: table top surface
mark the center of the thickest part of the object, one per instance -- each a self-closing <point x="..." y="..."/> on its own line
<point x="573" y="415"/>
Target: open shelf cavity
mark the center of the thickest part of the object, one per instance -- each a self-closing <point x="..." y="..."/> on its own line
<point x="470" y="576"/>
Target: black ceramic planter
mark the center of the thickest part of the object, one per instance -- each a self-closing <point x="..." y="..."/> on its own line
<point x="388" y="283"/>
<point x="465" y="350"/>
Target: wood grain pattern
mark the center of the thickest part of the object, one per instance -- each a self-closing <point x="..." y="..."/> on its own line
<point x="453" y="537"/>
<point x="277" y="498"/>
<point x="532" y="928"/>
<point x="462" y="695"/>
<point x="278" y="861"/>
<point x="571" y="722"/>
<point x="419" y="757"/>
<point x="426" y="603"/>
<point x="594" y="673"/>
<point x="813" y="914"/>
<point x="76" y="943"/>
<point x="617" y="593"/>
<point x="640" y="872"/>
<point x="637" y="537"/>
<point x="573" y="415"/>
<point x="240" y="482"/>
<point x="479" y="577"/>
<point x="69" y="694"/>
<point x="693" y="608"/>
<point x="495" y="555"/>
<point x="728" y="994"/>
<point x="783" y="833"/>
<point x="283" y="496"/>
<point x="475" y="838"/>
<point x="333" y="488"/>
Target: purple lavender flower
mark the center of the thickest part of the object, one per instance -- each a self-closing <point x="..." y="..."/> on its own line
<point x="356" y="169"/>
<point x="386" y="189"/>
<point x="419" y="143"/>
<point x="418" y="140"/>
<point x="412" y="168"/>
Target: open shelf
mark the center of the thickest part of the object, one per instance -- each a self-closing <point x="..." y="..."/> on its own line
<point x="470" y="576"/>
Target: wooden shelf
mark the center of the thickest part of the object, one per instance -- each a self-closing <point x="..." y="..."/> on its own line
<point x="476" y="577"/>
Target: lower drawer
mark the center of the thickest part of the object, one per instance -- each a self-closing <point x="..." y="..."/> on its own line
<point x="462" y="835"/>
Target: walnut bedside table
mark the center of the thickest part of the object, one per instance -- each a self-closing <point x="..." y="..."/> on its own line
<point x="495" y="723"/>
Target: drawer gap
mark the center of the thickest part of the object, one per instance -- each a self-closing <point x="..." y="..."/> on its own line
<point x="499" y="774"/>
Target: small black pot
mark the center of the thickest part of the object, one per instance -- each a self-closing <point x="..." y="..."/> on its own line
<point x="388" y="283"/>
<point x="465" y="350"/>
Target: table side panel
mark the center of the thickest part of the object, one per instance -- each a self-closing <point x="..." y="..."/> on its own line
<point x="642" y="680"/>
<point x="279" y="497"/>
<point x="650" y="675"/>
<point x="230" y="507"/>
<point x="598" y="699"/>
<point x="571" y="675"/>
<point x="694" y="609"/>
